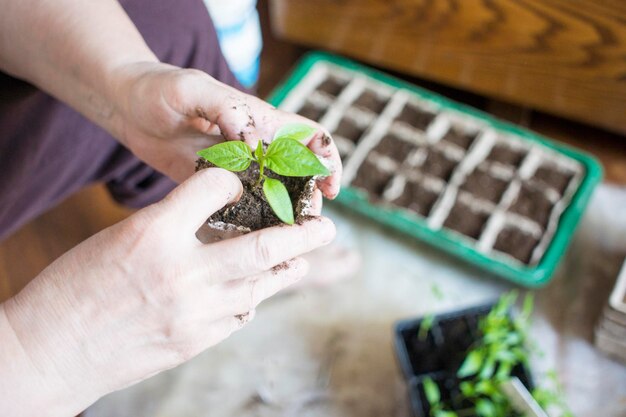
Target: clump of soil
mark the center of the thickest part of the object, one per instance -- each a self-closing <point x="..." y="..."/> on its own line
<point x="252" y="211"/>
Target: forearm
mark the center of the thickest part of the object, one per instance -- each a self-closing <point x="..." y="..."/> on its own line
<point x="71" y="49"/>
<point x="27" y="390"/>
<point x="43" y="348"/>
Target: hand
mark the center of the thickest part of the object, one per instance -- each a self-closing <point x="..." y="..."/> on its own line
<point x="142" y="296"/>
<point x="168" y="113"/>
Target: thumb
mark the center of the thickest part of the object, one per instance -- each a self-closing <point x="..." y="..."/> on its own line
<point x="195" y="200"/>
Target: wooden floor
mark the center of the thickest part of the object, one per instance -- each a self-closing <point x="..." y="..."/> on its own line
<point x="37" y="244"/>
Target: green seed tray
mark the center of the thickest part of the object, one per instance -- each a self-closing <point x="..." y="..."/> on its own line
<point x="314" y="81"/>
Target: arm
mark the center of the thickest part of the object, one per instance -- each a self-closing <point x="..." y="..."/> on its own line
<point x="140" y="297"/>
<point x="90" y="55"/>
<point x="73" y="50"/>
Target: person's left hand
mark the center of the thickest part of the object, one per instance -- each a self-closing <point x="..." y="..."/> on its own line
<point x="166" y="114"/>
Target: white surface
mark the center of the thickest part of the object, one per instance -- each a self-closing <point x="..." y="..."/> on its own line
<point x="618" y="297"/>
<point x="329" y="352"/>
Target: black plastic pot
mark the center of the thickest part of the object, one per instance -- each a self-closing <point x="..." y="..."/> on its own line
<point x="440" y="354"/>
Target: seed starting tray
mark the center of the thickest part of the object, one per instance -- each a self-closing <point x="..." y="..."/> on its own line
<point x="496" y="195"/>
<point x="439" y="355"/>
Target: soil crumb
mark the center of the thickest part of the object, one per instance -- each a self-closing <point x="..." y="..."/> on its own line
<point x="252" y="210"/>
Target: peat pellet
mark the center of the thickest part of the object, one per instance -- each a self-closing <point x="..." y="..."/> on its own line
<point x="459" y="138"/>
<point x="516" y="243"/>
<point x="438" y="164"/>
<point x="483" y="185"/>
<point x="551" y="176"/>
<point x="417" y="198"/>
<point x="394" y="147"/>
<point x="252" y="211"/>
<point x="311" y="111"/>
<point x="531" y="202"/>
<point x="415" y="116"/>
<point x="466" y="220"/>
<point x="369" y="100"/>
<point x="348" y="129"/>
<point x="372" y="179"/>
<point x="331" y="86"/>
<point x="506" y="155"/>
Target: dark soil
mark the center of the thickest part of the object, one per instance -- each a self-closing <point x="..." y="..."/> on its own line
<point x="483" y="185"/>
<point x="252" y="210"/>
<point x="417" y="198"/>
<point x="372" y="179"/>
<point x="551" y="176"/>
<point x="533" y="203"/>
<point x="415" y="116"/>
<point x="310" y="111"/>
<point x="438" y="165"/>
<point x="349" y="129"/>
<point x="461" y="139"/>
<point x="506" y="155"/>
<point x="369" y="100"/>
<point x="516" y="243"/>
<point x="465" y="220"/>
<point x="332" y="86"/>
<point x="394" y="147"/>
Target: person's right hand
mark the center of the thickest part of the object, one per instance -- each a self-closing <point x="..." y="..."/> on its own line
<point x="142" y="296"/>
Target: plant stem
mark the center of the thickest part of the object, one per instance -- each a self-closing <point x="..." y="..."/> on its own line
<point x="261" y="169"/>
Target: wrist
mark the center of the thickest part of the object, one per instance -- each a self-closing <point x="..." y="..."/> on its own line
<point x="41" y="359"/>
<point x="22" y="381"/>
<point x="119" y="82"/>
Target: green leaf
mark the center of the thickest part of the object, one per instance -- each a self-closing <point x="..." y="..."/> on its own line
<point x="527" y="309"/>
<point x="488" y="369"/>
<point x="278" y="198"/>
<point x="233" y="156"/>
<point x="436" y="291"/>
<point x="506" y="356"/>
<point x="258" y="152"/>
<point x="485" y="387"/>
<point x="504" y="371"/>
<point x="467" y="389"/>
<point x="471" y="364"/>
<point x="295" y="131"/>
<point x="290" y="158"/>
<point x="444" y="413"/>
<point x="485" y="408"/>
<point x="433" y="396"/>
<point x="425" y="325"/>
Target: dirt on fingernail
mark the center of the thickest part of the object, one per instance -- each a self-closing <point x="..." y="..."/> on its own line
<point x="283" y="266"/>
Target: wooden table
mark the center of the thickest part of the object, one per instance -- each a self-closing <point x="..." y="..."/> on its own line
<point x="567" y="57"/>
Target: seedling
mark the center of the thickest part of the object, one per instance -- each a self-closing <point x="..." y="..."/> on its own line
<point x="285" y="156"/>
<point x="489" y="363"/>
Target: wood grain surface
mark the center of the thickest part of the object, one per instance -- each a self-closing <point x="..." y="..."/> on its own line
<point x="567" y="57"/>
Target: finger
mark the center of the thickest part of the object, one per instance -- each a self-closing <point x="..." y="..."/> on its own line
<point x="249" y="119"/>
<point x="316" y="203"/>
<point x="259" y="251"/>
<point x="242" y="295"/>
<point x="206" y="334"/>
<point x="322" y="144"/>
<point x="191" y="203"/>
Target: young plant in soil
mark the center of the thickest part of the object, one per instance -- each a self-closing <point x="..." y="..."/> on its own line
<point x="285" y="156"/>
<point x="489" y="363"/>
